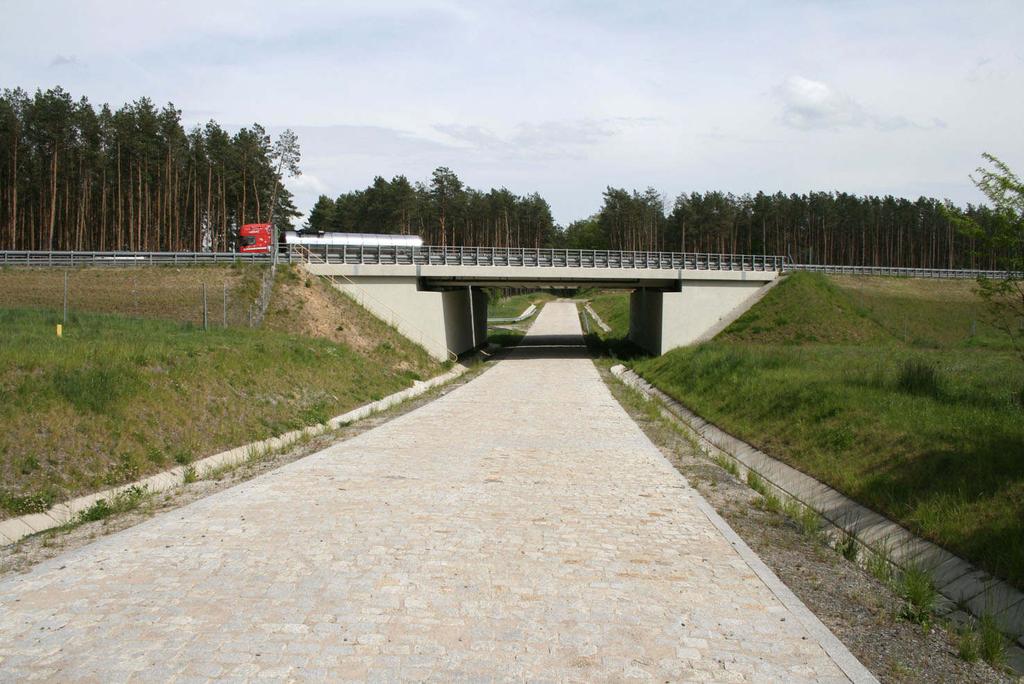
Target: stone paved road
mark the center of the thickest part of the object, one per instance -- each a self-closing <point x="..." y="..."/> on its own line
<point x="521" y="527"/>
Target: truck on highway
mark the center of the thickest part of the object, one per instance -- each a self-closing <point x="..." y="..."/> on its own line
<point x="258" y="238"/>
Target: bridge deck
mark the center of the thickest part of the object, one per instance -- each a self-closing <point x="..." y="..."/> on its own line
<point x="520" y="527"/>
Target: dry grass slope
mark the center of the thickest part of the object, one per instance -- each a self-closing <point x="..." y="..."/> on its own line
<point x="307" y="305"/>
<point x="167" y="292"/>
<point x="118" y="398"/>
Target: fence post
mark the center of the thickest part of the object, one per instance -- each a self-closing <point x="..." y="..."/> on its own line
<point x="206" y="320"/>
<point x="225" y="304"/>
<point x="65" y="297"/>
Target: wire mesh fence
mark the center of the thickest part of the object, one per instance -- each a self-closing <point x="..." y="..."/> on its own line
<point x="204" y="296"/>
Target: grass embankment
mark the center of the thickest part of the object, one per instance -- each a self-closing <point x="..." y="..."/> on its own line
<point x="307" y="305"/>
<point x="119" y="398"/>
<point x="510" y="334"/>
<point x="613" y="308"/>
<point x="166" y="292"/>
<point x="877" y="387"/>
<point x="511" y="307"/>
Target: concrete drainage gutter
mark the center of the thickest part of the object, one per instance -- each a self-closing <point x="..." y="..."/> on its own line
<point x="597" y="319"/>
<point x="15" y="529"/>
<point x="527" y="312"/>
<point x="957" y="580"/>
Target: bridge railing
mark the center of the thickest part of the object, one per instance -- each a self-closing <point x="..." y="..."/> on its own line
<point x="68" y="259"/>
<point x="529" y="257"/>
<point x="480" y="256"/>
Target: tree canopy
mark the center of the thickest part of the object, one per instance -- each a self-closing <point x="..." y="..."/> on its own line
<point x="74" y="176"/>
<point x="817" y="227"/>
<point x="442" y="211"/>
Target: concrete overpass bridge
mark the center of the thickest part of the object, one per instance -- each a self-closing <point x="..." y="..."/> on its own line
<point x="435" y="296"/>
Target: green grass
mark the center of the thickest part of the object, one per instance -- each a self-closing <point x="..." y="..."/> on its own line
<point x="121" y="502"/>
<point x="728" y="465"/>
<point x="992" y="643"/>
<point x="982" y="639"/>
<point x="117" y="398"/>
<point x="915" y="587"/>
<point x="847" y="547"/>
<point x="613" y="308"/>
<point x="969" y="646"/>
<point x="511" y="307"/>
<point x="504" y="337"/>
<point x="876" y="387"/>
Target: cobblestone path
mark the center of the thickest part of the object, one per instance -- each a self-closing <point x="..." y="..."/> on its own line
<point x="521" y="527"/>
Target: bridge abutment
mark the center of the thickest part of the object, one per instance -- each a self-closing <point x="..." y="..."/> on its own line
<point x="441" y="321"/>
<point x="661" y="320"/>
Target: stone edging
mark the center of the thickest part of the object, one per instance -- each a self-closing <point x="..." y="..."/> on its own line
<point x="597" y="319"/>
<point x="956" y="579"/>
<point x="15" y="529"/>
<point x="828" y="641"/>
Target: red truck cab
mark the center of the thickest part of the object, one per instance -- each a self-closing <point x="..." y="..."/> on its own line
<point x="255" y="238"/>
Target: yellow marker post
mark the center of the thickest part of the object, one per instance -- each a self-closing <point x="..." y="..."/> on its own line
<point x="60" y="330"/>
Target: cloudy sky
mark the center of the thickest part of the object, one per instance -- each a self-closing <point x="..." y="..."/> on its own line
<point x="566" y="98"/>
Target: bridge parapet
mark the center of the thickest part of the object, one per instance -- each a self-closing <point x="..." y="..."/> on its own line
<point x="542" y="258"/>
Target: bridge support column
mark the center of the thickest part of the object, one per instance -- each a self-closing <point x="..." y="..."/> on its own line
<point x="440" y="321"/>
<point x="660" y="320"/>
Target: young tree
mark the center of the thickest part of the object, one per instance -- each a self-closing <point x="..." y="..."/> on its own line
<point x="1002" y="241"/>
<point x="287" y="154"/>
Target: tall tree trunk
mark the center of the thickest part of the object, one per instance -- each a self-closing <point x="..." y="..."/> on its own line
<point x="53" y="196"/>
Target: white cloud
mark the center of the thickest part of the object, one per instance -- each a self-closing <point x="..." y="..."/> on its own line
<point x="64" y="60"/>
<point x="541" y="139"/>
<point x="810" y="105"/>
<point x="307" y="183"/>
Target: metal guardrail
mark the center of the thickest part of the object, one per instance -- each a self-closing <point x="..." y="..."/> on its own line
<point x="480" y="256"/>
<point x="520" y="256"/>
<point x="418" y="256"/>
<point x="67" y="259"/>
<point x="949" y="273"/>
